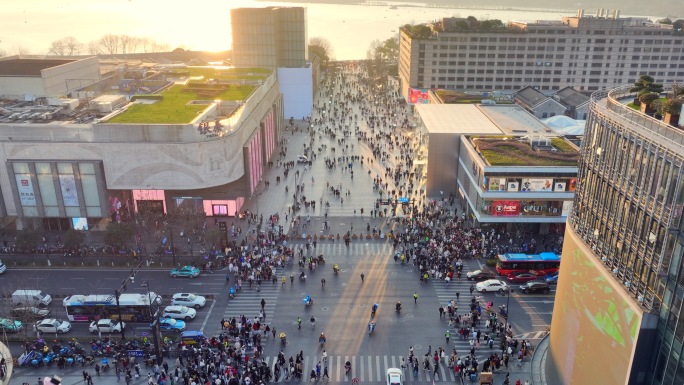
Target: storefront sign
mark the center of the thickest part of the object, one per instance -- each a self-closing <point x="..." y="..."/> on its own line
<point x="529" y="184"/>
<point x="497" y="184"/>
<point x="572" y="185"/>
<point x="545" y="208"/>
<point x="25" y="189"/>
<point x="506" y="208"/>
<point x="513" y="186"/>
<point x="559" y="186"/>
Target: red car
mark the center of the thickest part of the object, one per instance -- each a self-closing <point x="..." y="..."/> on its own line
<point x="521" y="277"/>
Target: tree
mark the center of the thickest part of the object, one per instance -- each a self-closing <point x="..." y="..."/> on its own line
<point x="74" y="239"/>
<point x="322" y="48"/>
<point x="110" y="44"/>
<point x="28" y="240"/>
<point x="67" y="46"/>
<point x="118" y="234"/>
<point x="646" y="85"/>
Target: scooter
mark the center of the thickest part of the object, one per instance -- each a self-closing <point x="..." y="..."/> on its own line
<point x="336" y="269"/>
<point x="371" y="327"/>
<point x="231" y="293"/>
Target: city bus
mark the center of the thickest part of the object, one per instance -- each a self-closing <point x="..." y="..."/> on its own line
<point x="134" y="307"/>
<point x="540" y="264"/>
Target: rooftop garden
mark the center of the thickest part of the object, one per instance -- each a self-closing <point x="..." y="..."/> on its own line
<point x="507" y="151"/>
<point x="172" y="105"/>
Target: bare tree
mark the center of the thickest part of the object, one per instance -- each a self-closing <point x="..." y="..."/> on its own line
<point x="94" y="47"/>
<point x="67" y="46"/>
<point x="20" y="50"/>
<point x="110" y="44"/>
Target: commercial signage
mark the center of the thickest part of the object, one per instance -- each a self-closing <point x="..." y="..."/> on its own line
<point x="506" y="208"/>
<point x="513" y="186"/>
<point x="529" y="184"/>
<point x="572" y="185"/>
<point x="68" y="187"/>
<point x="25" y="189"/>
<point x="559" y="186"/>
<point x="545" y="208"/>
<point x="567" y="208"/>
<point x="418" y="95"/>
<point x="497" y="184"/>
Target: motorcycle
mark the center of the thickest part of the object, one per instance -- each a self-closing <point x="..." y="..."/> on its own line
<point x="336" y="269"/>
<point x="231" y="293"/>
<point x="398" y="308"/>
<point x="302" y="276"/>
<point x="503" y="311"/>
<point x="322" y="339"/>
<point x="320" y="259"/>
<point x="371" y="327"/>
<point x="283" y="339"/>
<point x="374" y="309"/>
<point x="347" y="368"/>
<point x="307" y="300"/>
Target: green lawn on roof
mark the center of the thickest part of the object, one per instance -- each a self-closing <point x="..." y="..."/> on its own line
<point x="225" y="73"/>
<point x="174" y="108"/>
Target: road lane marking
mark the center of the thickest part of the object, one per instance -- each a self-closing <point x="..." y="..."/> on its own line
<point x="206" y="318"/>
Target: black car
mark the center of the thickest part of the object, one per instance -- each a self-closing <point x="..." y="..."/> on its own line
<point x="535" y="287"/>
<point x="480" y="275"/>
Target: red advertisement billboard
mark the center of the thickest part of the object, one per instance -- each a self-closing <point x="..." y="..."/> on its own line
<point x="418" y="96"/>
<point x="506" y="208"/>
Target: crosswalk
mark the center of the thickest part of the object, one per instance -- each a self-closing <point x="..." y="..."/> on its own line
<point x="357" y="247"/>
<point x="367" y="369"/>
<point x="247" y="301"/>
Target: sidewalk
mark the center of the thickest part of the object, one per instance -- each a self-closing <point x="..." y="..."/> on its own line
<point x="538" y="373"/>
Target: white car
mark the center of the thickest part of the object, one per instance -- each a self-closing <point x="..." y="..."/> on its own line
<point x="302" y="159"/>
<point x="189" y="300"/>
<point x="491" y="285"/>
<point x="179" y="312"/>
<point x="52" y="325"/>
<point x="395" y="377"/>
<point x="3" y="268"/>
<point x="106" y="326"/>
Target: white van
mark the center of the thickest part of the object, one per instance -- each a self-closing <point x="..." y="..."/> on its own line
<point x="30" y="298"/>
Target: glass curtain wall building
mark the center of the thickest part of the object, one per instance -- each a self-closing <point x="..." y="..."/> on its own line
<point x="621" y="285"/>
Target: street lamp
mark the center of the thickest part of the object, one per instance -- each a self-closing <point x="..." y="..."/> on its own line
<point x="121" y="290"/>
<point x="155" y="323"/>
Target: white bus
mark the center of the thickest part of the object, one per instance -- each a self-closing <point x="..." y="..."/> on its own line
<point x="134" y="307"/>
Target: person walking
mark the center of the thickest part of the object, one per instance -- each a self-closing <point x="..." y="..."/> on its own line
<point x="447" y="335"/>
<point x="362" y="277"/>
<point x="472" y="289"/>
<point x="325" y="372"/>
<point x="299" y="322"/>
<point x="263" y="304"/>
<point x="415" y="297"/>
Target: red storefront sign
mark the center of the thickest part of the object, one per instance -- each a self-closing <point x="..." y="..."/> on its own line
<point x="505" y="208"/>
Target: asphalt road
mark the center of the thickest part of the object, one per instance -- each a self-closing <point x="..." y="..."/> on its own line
<point x="341" y="308"/>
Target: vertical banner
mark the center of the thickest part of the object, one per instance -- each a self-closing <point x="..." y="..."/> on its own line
<point x="25" y="189"/>
<point x="69" y="194"/>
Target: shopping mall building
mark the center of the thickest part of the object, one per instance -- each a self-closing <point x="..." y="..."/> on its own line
<point x="74" y="152"/>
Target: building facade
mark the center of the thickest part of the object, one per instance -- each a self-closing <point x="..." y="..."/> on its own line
<point x="585" y="52"/>
<point x="618" y="314"/>
<point x="269" y="37"/>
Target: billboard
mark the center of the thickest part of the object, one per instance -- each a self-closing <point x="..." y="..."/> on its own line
<point x="497" y="184"/>
<point x="67" y="183"/>
<point x="595" y="322"/>
<point x="418" y="95"/>
<point x="506" y="208"/>
<point x="572" y="185"/>
<point x="531" y="184"/>
<point x="25" y="189"/>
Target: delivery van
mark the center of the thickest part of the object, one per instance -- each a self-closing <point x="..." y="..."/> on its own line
<point x="30" y="298"/>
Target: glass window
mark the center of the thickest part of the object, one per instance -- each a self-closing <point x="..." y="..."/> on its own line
<point x="21" y="168"/>
<point x="86" y="168"/>
<point x="90" y="191"/>
<point x="47" y="189"/>
<point x="65" y="168"/>
<point x="43" y="168"/>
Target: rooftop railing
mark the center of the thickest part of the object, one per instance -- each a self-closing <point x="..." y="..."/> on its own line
<point x="648" y="126"/>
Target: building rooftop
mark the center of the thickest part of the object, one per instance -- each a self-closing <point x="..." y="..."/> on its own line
<point x="517" y="151"/>
<point x="530" y="97"/>
<point x="176" y="104"/>
<point x="570" y="97"/>
<point x="28" y="66"/>
<point x="513" y="120"/>
<point x="455" y="119"/>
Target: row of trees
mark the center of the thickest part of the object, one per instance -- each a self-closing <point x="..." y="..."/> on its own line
<point x="382" y="60"/>
<point x="106" y="45"/>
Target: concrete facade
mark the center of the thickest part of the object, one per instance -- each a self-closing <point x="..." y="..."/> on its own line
<point x="55" y="77"/>
<point x="542" y="54"/>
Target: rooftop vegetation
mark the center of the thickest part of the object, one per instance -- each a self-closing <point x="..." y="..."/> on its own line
<point x="174" y="107"/>
<point x="222" y="73"/>
<point x="505" y="151"/>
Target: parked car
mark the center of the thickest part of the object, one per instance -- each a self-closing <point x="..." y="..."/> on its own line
<point x="179" y="312"/>
<point x="29" y="313"/>
<point x="11" y="326"/>
<point x="491" y="285"/>
<point x="521" y="277"/>
<point x="185" y="271"/>
<point x="395" y="376"/>
<point x="51" y="325"/>
<point x="171" y="325"/>
<point x="479" y="275"/>
<point x="535" y="287"/>
<point x="552" y="279"/>
<point x="189" y="300"/>
<point x="106" y="326"/>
